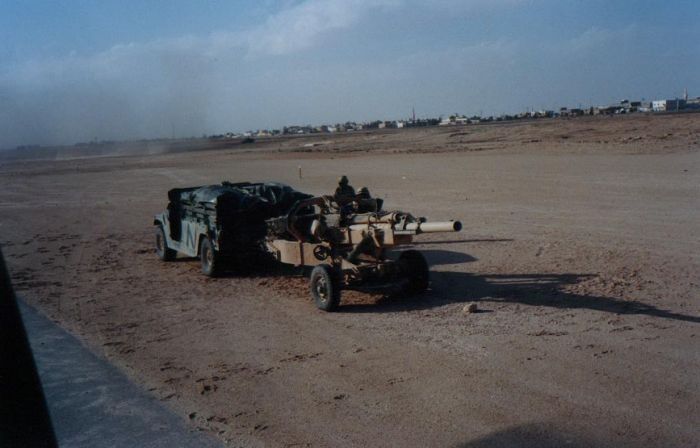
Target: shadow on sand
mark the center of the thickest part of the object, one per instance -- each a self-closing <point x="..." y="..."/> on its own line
<point x="528" y="289"/>
<point x="437" y="257"/>
<point x="533" y="289"/>
<point x="531" y="436"/>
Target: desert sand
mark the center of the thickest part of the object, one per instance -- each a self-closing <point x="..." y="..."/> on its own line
<point x="580" y="247"/>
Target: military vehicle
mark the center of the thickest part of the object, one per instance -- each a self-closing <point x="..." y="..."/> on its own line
<point x="346" y="239"/>
<point x="220" y="222"/>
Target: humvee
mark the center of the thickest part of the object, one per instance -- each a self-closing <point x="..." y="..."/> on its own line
<point x="219" y="222"/>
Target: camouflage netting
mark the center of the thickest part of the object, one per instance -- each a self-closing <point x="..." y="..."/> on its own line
<point x="238" y="210"/>
<point x="277" y="198"/>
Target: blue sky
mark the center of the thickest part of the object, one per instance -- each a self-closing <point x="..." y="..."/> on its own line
<point x="80" y="70"/>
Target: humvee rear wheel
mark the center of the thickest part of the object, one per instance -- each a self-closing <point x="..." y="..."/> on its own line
<point x="415" y="269"/>
<point x="325" y="287"/>
<point x="162" y="250"/>
<point x="210" y="258"/>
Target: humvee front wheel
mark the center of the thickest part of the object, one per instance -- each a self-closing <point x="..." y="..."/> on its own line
<point x="325" y="287"/>
<point x="210" y="258"/>
<point x="162" y="250"/>
<point x="415" y="268"/>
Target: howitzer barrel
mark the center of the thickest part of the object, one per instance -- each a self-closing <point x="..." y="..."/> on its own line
<point x="434" y="227"/>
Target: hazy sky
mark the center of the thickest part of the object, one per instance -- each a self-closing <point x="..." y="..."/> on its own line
<point x="78" y="70"/>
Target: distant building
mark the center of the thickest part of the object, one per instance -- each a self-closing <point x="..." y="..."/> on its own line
<point x="611" y="110"/>
<point x="668" y="105"/>
<point x="644" y="106"/>
<point x="676" y="104"/>
<point x="693" y="104"/>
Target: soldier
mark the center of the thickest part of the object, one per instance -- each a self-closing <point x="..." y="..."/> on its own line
<point x="363" y="193"/>
<point x="344" y="193"/>
<point x="366" y="203"/>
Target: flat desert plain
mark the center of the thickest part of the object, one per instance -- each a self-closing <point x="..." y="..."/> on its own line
<point x="580" y="247"/>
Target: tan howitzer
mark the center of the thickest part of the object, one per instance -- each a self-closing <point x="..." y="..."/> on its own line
<point x="394" y="227"/>
<point x="349" y="250"/>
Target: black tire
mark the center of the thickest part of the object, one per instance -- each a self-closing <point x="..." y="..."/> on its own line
<point x="325" y="287"/>
<point x="415" y="269"/>
<point x="162" y="250"/>
<point x="211" y="261"/>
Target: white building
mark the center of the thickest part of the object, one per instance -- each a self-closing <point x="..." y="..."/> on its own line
<point x="658" y="105"/>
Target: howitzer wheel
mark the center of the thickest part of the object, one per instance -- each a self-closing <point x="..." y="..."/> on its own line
<point x="211" y="262"/>
<point x="415" y="269"/>
<point x="162" y="250"/>
<point x="325" y="287"/>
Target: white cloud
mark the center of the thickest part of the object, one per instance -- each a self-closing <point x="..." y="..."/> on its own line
<point x="300" y="27"/>
<point x="293" y="29"/>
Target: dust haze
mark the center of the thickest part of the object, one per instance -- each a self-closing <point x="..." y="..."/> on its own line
<point x="322" y="62"/>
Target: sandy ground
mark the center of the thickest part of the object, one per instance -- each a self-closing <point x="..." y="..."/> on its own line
<point x="92" y="404"/>
<point x="581" y="247"/>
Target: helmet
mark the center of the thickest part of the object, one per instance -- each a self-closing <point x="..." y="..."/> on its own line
<point x="343" y="180"/>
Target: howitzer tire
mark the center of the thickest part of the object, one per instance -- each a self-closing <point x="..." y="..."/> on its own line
<point x="325" y="287"/>
<point x="211" y="261"/>
<point x="415" y="269"/>
<point x="162" y="250"/>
